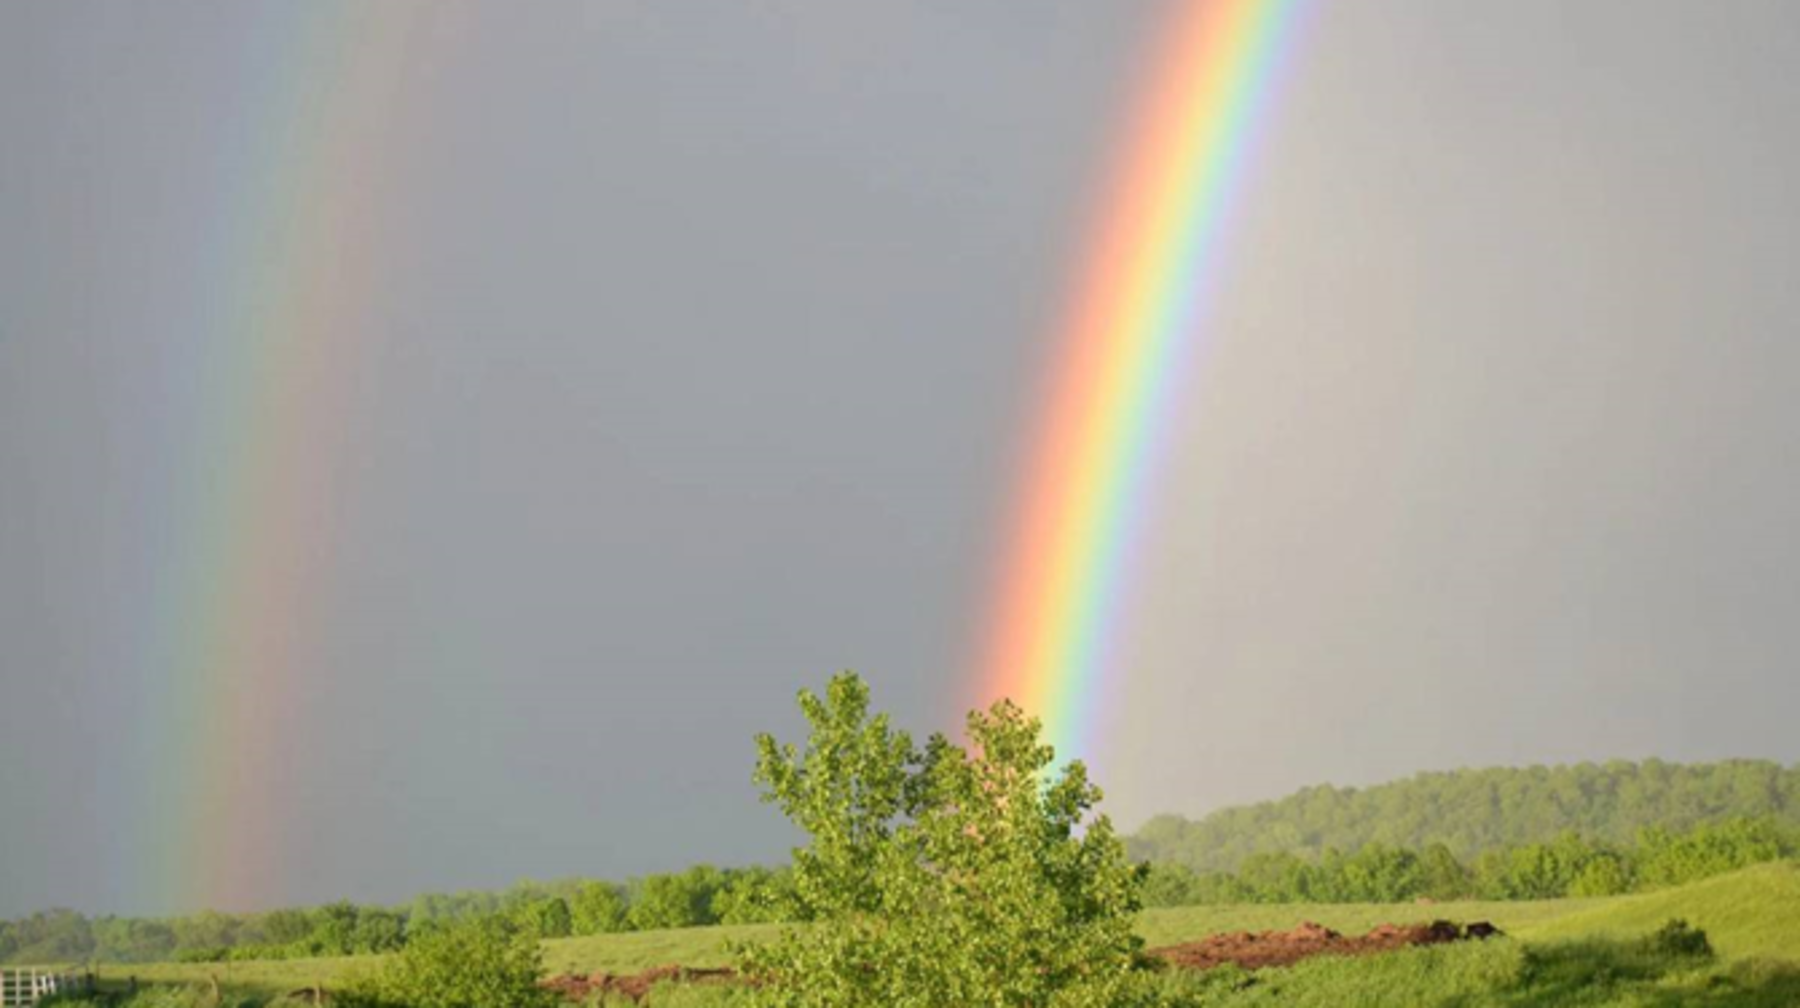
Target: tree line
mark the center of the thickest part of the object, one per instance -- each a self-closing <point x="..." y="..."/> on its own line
<point x="1569" y="865"/>
<point x="1537" y="832"/>
<point x="1474" y="811"/>
<point x="698" y="896"/>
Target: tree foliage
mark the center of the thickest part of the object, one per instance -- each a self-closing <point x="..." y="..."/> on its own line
<point x="947" y="876"/>
<point x="1569" y="865"/>
<point x="597" y="908"/>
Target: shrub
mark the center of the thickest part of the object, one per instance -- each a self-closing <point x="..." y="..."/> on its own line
<point x="488" y="963"/>
<point x="1679" y="938"/>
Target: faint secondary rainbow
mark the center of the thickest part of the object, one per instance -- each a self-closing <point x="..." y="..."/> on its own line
<point x="1125" y="343"/>
<point x="260" y="392"/>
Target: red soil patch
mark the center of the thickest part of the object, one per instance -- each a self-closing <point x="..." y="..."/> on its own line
<point x="633" y="985"/>
<point x="1283" y="948"/>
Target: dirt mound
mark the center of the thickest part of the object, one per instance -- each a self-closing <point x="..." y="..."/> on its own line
<point x="633" y="985"/>
<point x="1283" y="948"/>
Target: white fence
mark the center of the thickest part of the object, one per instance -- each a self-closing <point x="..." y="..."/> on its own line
<point x="23" y="987"/>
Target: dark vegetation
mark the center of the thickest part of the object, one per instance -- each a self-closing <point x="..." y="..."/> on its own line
<point x="1569" y="865"/>
<point x="1472" y="812"/>
<point x="698" y="896"/>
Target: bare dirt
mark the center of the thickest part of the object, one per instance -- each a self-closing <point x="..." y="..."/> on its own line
<point x="1284" y="948"/>
<point x="634" y="985"/>
<point x="1240" y="948"/>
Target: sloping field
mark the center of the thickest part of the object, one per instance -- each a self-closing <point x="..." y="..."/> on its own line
<point x="1171" y="925"/>
<point x="1750" y="914"/>
<point x="1593" y="956"/>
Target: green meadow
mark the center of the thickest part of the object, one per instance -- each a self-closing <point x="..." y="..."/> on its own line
<point x="634" y="951"/>
<point x="1568" y="952"/>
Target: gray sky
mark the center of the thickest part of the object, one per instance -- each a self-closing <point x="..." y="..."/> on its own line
<point x="703" y="339"/>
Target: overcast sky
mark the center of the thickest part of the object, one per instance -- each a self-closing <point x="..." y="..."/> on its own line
<point x="699" y="360"/>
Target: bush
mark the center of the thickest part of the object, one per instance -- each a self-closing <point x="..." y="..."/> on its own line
<point x="1679" y="938"/>
<point x="489" y="963"/>
<point x="947" y="877"/>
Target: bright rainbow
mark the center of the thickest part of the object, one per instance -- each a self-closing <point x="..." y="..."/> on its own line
<point x="261" y="389"/>
<point x="1126" y="342"/>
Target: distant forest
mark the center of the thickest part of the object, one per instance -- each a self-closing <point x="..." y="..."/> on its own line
<point x="1472" y="812"/>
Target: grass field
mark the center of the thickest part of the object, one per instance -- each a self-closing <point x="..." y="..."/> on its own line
<point x="1177" y="924"/>
<point x="1568" y="953"/>
<point x="1751" y="914"/>
<point x="639" y="950"/>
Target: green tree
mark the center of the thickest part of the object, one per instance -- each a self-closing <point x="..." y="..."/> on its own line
<point x="285" y="927"/>
<point x="1602" y="875"/>
<point x="1442" y="875"/>
<point x="953" y="877"/>
<point x="1167" y="885"/>
<point x="50" y="936"/>
<point x="1672" y="859"/>
<point x="547" y="918"/>
<point x="597" y="908"/>
<point x="677" y="900"/>
<point x="334" y="929"/>
<point x="846" y="792"/>
<point x="377" y="931"/>
<point x="131" y="939"/>
<point x="208" y="929"/>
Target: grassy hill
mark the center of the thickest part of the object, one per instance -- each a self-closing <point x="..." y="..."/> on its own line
<point x="1473" y="811"/>
<point x="1754" y="913"/>
<point x="1590" y="956"/>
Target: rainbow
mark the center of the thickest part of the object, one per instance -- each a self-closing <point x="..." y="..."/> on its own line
<point x="1129" y="336"/>
<point x="263" y="391"/>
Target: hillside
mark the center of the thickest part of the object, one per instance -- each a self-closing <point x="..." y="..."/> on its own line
<point x="1749" y="914"/>
<point x="1476" y="810"/>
